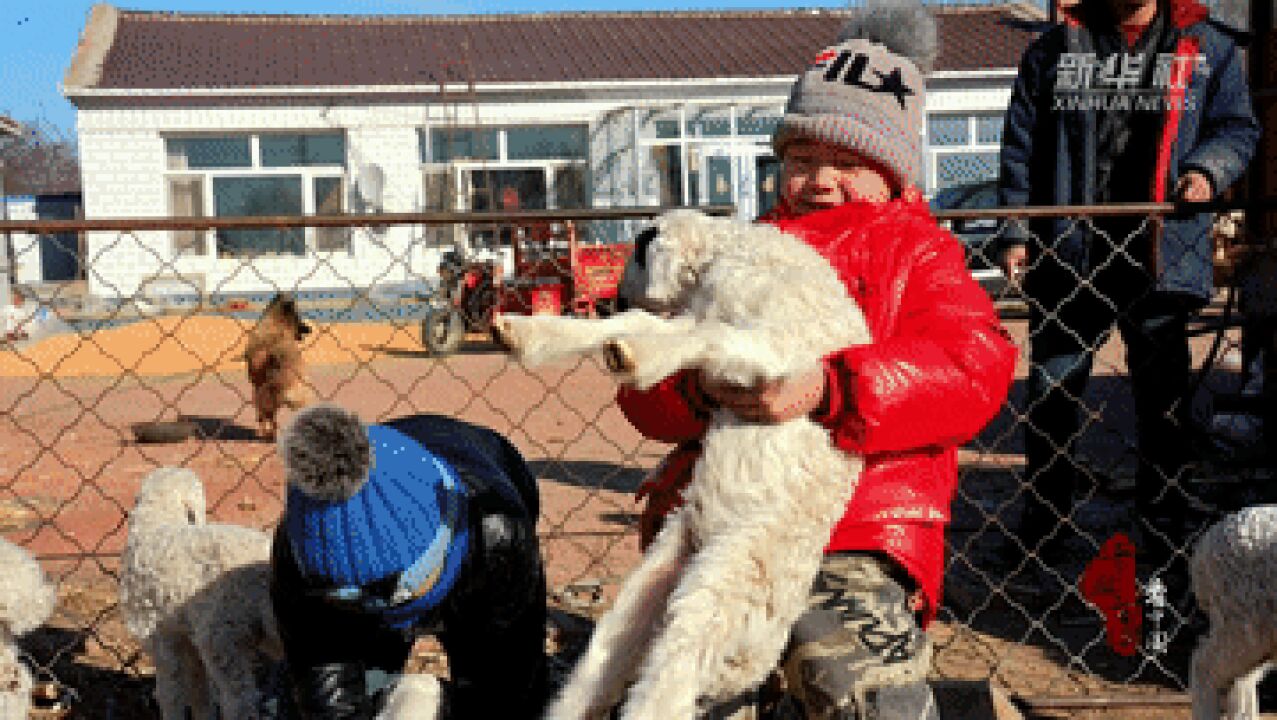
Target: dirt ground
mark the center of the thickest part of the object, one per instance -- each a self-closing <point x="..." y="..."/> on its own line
<point x="69" y="468"/>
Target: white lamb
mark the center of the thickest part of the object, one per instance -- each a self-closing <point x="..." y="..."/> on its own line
<point x="196" y="595"/>
<point x="26" y="600"/>
<point x="415" y="696"/>
<point x="1234" y="576"/>
<point x="708" y="612"/>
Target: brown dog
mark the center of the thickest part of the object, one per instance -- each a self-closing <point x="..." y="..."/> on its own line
<point x="275" y="365"/>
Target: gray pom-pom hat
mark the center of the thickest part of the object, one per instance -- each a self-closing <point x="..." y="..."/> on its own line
<point x="867" y="91"/>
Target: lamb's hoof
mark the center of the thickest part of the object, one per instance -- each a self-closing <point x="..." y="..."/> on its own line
<point x="503" y="335"/>
<point x="619" y="357"/>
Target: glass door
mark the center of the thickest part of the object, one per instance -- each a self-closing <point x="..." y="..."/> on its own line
<point x="766" y="181"/>
<point x="713" y="174"/>
<point x="746" y="175"/>
<point x="502" y="189"/>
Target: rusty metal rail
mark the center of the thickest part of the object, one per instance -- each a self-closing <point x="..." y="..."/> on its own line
<point x="1107" y="210"/>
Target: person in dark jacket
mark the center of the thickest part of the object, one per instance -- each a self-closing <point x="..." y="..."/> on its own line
<point x="1125" y="101"/>
<point x="424" y="524"/>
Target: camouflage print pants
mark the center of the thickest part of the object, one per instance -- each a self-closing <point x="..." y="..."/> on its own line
<point x="856" y="654"/>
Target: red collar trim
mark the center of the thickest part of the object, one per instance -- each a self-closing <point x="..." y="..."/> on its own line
<point x="1184" y="13"/>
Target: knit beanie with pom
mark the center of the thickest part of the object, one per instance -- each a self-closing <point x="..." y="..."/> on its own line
<point x="866" y="92"/>
<point x="369" y="506"/>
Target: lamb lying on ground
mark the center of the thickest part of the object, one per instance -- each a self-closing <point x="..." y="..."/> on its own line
<point x="196" y="596"/>
<point x="26" y="600"/>
<point x="1234" y="575"/>
<point x="708" y="612"/>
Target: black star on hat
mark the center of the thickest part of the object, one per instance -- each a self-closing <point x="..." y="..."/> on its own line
<point x="894" y="84"/>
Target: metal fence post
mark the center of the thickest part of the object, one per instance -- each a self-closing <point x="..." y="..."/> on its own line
<point x="6" y="261"/>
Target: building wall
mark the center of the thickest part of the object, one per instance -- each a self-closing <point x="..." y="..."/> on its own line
<point x="123" y="162"/>
<point x="26" y="247"/>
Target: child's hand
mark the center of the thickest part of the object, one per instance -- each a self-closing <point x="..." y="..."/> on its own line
<point x="1013" y="262"/>
<point x="773" y="402"/>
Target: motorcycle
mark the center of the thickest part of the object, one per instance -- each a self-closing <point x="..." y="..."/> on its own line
<point x="466" y="302"/>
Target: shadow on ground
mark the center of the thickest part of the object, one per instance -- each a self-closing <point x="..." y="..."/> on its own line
<point x="590" y="474"/>
<point x="216" y="428"/>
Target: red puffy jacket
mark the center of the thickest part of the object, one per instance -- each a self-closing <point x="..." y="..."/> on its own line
<point x="938" y="370"/>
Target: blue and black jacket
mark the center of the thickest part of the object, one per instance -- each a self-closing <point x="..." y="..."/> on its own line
<point x="491" y="623"/>
<point x="1055" y="148"/>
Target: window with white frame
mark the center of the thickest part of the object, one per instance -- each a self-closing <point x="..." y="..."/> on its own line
<point x="514" y="167"/>
<point x="257" y="174"/>
<point x="963" y="148"/>
<point x="505" y="168"/>
<point x="708" y="154"/>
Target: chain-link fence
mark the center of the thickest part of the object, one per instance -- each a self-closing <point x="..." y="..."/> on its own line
<point x="153" y="341"/>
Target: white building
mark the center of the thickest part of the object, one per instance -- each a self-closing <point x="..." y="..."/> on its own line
<point x="188" y="114"/>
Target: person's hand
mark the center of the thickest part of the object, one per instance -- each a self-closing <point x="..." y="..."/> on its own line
<point x="771" y="402"/>
<point x="1013" y="262"/>
<point x="1194" y="186"/>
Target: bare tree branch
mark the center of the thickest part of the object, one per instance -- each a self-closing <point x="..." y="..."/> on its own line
<point x="39" y="161"/>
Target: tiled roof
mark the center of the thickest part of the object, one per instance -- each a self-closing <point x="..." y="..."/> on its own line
<point x="150" y="50"/>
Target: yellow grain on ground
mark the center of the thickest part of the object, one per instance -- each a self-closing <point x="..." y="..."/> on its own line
<point x="177" y="345"/>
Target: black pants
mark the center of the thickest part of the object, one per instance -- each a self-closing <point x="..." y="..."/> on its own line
<point x="1064" y="336"/>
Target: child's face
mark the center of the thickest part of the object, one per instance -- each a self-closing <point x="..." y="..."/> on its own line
<point x="818" y="176"/>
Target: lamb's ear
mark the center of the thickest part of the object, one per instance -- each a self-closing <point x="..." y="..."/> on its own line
<point x="641" y="243"/>
<point x="326" y="453"/>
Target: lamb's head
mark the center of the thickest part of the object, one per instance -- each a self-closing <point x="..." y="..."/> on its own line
<point x="26" y="598"/>
<point x="169" y="496"/>
<point x="669" y="259"/>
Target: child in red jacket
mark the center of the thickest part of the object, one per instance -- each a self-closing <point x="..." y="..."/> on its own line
<point x="939" y="368"/>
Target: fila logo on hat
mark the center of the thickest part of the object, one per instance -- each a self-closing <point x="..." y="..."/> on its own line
<point x="850" y="68"/>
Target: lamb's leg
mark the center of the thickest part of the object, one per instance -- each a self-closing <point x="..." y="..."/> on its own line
<point x="725" y="629"/>
<point x="236" y="666"/>
<point x="642" y="360"/>
<point x="1219" y="663"/>
<point x="180" y="682"/>
<point x="15" y="682"/>
<point x="539" y="339"/>
<point x="746" y="356"/>
<point x="739" y="356"/>
<point x="1243" y="697"/>
<point x="622" y="637"/>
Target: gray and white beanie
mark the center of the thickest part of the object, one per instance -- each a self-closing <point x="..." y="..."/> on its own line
<point x="867" y="92"/>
